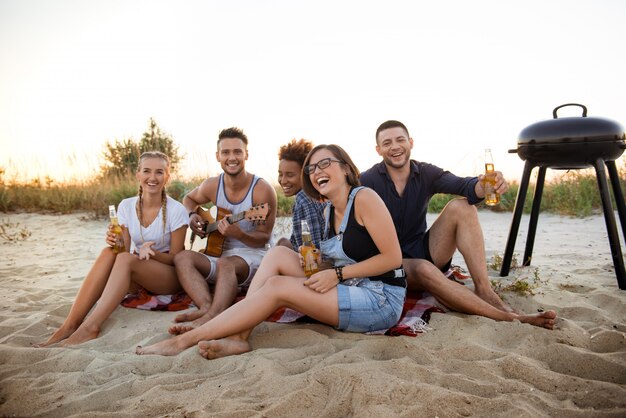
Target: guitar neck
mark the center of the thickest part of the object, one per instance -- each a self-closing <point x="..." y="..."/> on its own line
<point x="237" y="217"/>
<point x="231" y="219"/>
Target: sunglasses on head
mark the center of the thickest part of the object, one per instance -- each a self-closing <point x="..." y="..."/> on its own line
<point x="322" y="164"/>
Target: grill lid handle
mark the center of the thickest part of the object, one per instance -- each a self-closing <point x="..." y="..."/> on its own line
<point x="569" y="104"/>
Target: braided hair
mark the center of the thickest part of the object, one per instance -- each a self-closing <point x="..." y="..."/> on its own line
<point x="164" y="157"/>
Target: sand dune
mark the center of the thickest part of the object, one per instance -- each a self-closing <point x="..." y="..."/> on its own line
<point x="464" y="366"/>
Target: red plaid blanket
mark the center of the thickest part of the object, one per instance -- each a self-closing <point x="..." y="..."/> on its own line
<point x="414" y="319"/>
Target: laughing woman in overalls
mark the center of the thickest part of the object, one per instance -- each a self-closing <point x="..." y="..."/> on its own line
<point x="364" y="291"/>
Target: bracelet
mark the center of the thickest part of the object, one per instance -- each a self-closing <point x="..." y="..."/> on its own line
<point x="191" y="213"/>
<point x="339" y="273"/>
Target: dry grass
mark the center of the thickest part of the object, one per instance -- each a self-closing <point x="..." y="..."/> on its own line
<point x="523" y="281"/>
<point x="575" y="194"/>
<point x="12" y="232"/>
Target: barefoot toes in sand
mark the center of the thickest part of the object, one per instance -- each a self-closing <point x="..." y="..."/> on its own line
<point x="221" y="348"/>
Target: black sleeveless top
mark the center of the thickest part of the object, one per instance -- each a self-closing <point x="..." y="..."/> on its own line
<point x="359" y="245"/>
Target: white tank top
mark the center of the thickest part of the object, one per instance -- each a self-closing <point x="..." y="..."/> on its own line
<point x="243" y="205"/>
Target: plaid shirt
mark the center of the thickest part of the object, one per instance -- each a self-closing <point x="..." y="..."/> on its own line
<point x="311" y="210"/>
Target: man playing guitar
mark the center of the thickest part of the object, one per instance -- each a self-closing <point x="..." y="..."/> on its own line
<point x="235" y="190"/>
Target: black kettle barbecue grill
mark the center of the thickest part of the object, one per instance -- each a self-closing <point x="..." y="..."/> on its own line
<point x="564" y="144"/>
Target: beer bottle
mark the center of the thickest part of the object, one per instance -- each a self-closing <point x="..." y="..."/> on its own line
<point x="307" y="250"/>
<point x="492" y="197"/>
<point x="119" y="246"/>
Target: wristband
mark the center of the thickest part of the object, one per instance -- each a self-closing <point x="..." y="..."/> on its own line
<point x="191" y="213"/>
<point x="339" y="273"/>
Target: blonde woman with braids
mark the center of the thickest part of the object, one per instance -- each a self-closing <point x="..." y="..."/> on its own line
<point x="155" y="225"/>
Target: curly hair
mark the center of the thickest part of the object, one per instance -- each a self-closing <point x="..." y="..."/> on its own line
<point x="295" y="150"/>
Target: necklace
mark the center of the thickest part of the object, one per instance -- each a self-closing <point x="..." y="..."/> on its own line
<point x="139" y="210"/>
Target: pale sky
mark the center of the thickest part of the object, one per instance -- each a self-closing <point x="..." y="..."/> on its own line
<point x="462" y="75"/>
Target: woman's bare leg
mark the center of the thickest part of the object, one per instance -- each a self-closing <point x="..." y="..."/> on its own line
<point x="278" y="291"/>
<point x="127" y="266"/>
<point x="279" y="261"/>
<point x="88" y="294"/>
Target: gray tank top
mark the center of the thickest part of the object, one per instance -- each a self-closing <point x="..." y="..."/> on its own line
<point x="243" y="205"/>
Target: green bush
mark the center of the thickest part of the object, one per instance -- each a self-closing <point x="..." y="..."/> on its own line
<point x="122" y="157"/>
<point x="283" y="203"/>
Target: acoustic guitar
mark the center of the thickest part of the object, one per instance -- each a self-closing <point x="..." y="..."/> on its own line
<point x="215" y="240"/>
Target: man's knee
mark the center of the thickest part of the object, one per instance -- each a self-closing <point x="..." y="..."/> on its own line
<point x="423" y="272"/>
<point x="189" y="263"/>
<point x="226" y="270"/>
<point x="425" y="269"/>
<point x="224" y="264"/>
<point x="460" y="207"/>
<point x="184" y="257"/>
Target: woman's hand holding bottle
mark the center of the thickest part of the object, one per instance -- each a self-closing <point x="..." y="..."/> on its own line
<point x="322" y="281"/>
<point x="111" y="237"/>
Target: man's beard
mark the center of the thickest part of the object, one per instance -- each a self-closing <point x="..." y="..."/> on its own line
<point x="395" y="164"/>
<point x="233" y="174"/>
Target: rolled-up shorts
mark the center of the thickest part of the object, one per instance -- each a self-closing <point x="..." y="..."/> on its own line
<point x="371" y="305"/>
<point x="252" y="257"/>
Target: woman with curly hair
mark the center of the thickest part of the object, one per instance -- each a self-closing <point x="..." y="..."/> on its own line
<point x="291" y="160"/>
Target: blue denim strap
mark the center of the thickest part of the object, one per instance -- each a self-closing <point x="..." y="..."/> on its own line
<point x="346" y="215"/>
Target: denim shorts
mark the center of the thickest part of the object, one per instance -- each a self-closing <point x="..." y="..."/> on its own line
<point x="369" y="305"/>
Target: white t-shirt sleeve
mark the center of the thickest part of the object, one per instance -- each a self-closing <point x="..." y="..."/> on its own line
<point x="177" y="214"/>
<point x="125" y="211"/>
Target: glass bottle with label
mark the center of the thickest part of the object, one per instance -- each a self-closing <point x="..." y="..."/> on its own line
<point x="119" y="246"/>
<point x="492" y="197"/>
<point x="308" y="251"/>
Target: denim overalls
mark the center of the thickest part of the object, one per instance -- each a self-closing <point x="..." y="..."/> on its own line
<point x="364" y="305"/>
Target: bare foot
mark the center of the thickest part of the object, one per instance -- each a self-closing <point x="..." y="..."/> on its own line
<point x="59" y="335"/>
<point x="169" y="347"/>
<point x="183" y="328"/>
<point x="224" y="347"/>
<point x="542" y="319"/>
<point x="80" y="336"/>
<point x="492" y="298"/>
<point x="202" y="320"/>
<point x="190" y="316"/>
<point x="180" y="329"/>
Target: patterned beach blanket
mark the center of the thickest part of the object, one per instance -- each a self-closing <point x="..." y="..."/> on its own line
<point x="151" y="302"/>
<point x="414" y="319"/>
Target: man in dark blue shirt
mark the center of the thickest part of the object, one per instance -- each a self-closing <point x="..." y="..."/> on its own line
<point x="406" y="187"/>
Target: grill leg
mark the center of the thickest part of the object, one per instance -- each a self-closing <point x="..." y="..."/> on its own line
<point x="534" y="216"/>
<point x="611" y="227"/>
<point x="517" y="217"/>
<point x="618" y="195"/>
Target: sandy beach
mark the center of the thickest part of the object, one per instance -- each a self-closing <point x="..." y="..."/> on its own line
<point x="463" y="366"/>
